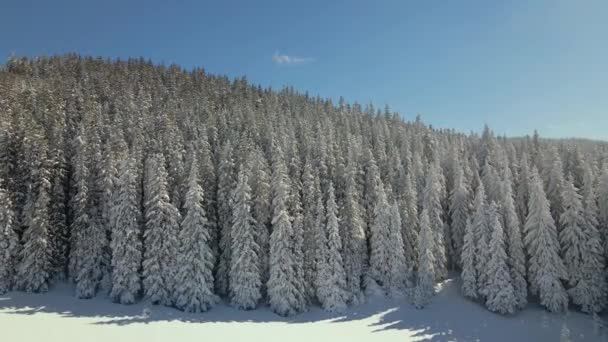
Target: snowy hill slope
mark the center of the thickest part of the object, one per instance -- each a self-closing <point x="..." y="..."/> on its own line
<point x="59" y="316"/>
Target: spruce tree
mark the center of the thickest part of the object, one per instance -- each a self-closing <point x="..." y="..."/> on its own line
<point x="514" y="242"/>
<point x="469" y="272"/>
<point x="9" y="242"/>
<point x="432" y="204"/>
<point x="160" y="238"/>
<point x="33" y="270"/>
<point x="226" y="184"/>
<point x="425" y="285"/>
<point x="500" y="296"/>
<point x="245" y="275"/>
<point x="126" y="237"/>
<point x="282" y="290"/>
<point x="332" y="292"/>
<point x="460" y="210"/>
<point x="355" y="251"/>
<point x="195" y="260"/>
<point x="546" y="268"/>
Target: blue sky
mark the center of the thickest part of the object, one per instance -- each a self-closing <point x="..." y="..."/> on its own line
<point x="515" y="65"/>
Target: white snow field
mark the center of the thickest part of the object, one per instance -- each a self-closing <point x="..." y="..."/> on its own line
<point x="59" y="316"/>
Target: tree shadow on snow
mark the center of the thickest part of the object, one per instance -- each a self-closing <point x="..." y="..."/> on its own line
<point x="449" y="317"/>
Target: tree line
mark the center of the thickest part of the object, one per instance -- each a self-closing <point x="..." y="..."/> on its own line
<point x="151" y="182"/>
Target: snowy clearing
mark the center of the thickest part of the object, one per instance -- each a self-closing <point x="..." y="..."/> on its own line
<point x="59" y="316"/>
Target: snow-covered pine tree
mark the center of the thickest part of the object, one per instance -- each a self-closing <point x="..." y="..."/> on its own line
<point x="425" y="285"/>
<point x="409" y="228"/>
<point x="79" y="207"/>
<point x="260" y="196"/>
<point x="379" y="267"/>
<point x="245" y="275"/>
<point x="514" y="241"/>
<point x="126" y="237"/>
<point x="319" y="242"/>
<point x="9" y="242"/>
<point x="33" y="270"/>
<point x="355" y="251"/>
<point x="546" y="268"/>
<point x="282" y="291"/>
<point x="572" y="237"/>
<point x="479" y="226"/>
<point x="522" y="191"/>
<point x="468" y="259"/>
<point x="555" y="184"/>
<point x="160" y="238"/>
<point x="592" y="290"/>
<point x="432" y="203"/>
<point x="460" y="210"/>
<point x="332" y="291"/>
<point x="195" y="260"/>
<point x="396" y="257"/>
<point x="499" y="292"/>
<point x="226" y="184"/>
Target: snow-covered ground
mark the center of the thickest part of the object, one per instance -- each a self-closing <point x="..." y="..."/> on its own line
<point x="59" y="316"/>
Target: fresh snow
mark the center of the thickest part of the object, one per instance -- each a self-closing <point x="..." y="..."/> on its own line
<point x="59" y="316"/>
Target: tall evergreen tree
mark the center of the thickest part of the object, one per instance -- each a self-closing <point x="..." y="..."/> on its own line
<point x="282" y="291"/>
<point x="546" y="268"/>
<point x="194" y="292"/>
<point x="432" y="204"/>
<point x="469" y="272"/>
<point x="126" y="237"/>
<point x="424" y="290"/>
<point x="500" y="296"/>
<point x="460" y="209"/>
<point x="245" y="275"/>
<point x="226" y="184"/>
<point x="9" y="242"/>
<point x="160" y="238"/>
<point x="332" y="291"/>
<point x="514" y="241"/>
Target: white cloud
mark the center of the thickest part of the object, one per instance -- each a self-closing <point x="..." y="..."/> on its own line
<point x="282" y="59"/>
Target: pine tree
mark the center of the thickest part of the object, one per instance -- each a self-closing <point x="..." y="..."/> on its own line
<point x="226" y="184"/>
<point x="194" y="291"/>
<point x="245" y="275"/>
<point x="500" y="296"/>
<point x="126" y="238"/>
<point x="555" y="184"/>
<point x="9" y="242"/>
<point x="469" y="273"/>
<point x="396" y="257"/>
<point x="356" y="247"/>
<point x="479" y="226"/>
<point x="432" y="203"/>
<point x="282" y="290"/>
<point x="460" y="209"/>
<point x="590" y="291"/>
<point x="379" y="267"/>
<point x="260" y="196"/>
<point x="160" y="238"/>
<point x="522" y="192"/>
<point x="409" y="230"/>
<point x="514" y="242"/>
<point x="425" y="289"/>
<point x="546" y="268"/>
<point x="572" y="238"/>
<point x="332" y="291"/>
<point x="33" y="270"/>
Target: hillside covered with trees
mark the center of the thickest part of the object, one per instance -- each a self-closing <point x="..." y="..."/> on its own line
<point x="141" y="181"/>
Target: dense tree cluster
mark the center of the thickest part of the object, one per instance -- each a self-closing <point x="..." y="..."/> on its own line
<point x="139" y="181"/>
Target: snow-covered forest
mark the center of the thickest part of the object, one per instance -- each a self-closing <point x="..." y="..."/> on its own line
<point x="144" y="182"/>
